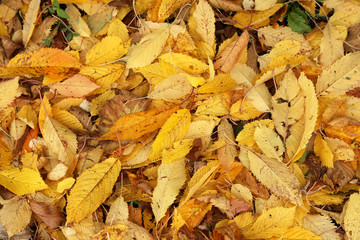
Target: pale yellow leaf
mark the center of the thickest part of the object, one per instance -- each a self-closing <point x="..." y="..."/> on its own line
<point x="118" y="28"/>
<point x="262" y="5"/>
<point x="77" y="22"/>
<point x="17" y="129"/>
<point x="242" y="192"/>
<point x="340" y="77"/>
<point x="322" y="150"/>
<point x="61" y="141"/>
<point x="179" y="150"/>
<point x="246" y="135"/>
<point x="331" y="47"/>
<point x="301" y="131"/>
<point x="321" y="226"/>
<point x="227" y="153"/>
<point x="202" y="127"/>
<point x="273" y="222"/>
<point x="28" y="115"/>
<point x="351" y="213"/>
<point x="272" y="36"/>
<point x="171" y="177"/>
<point x="230" y="55"/>
<point x="8" y="91"/>
<point x="22" y="181"/>
<point x="58" y="172"/>
<point x="221" y="83"/>
<point x="148" y="48"/>
<point x="15" y="215"/>
<point x="30" y="18"/>
<point x="185" y="62"/>
<point x="174" y="129"/>
<point x="118" y="211"/>
<point x="258" y="95"/>
<point x="340" y="149"/>
<point x="111" y="48"/>
<point x="174" y="87"/>
<point x="141" y="157"/>
<point x="75" y="86"/>
<point x="199" y="179"/>
<point x="205" y="22"/>
<point x="353" y="107"/>
<point x="92" y="188"/>
<point x="276" y="176"/>
<point x="287" y="104"/>
<point x="269" y="142"/>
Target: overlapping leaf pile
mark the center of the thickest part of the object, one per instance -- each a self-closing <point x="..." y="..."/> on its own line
<point x="180" y="119"/>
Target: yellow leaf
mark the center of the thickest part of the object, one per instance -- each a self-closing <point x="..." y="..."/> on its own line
<point x="29" y="23"/>
<point x="5" y="153"/>
<point x="340" y="77"/>
<point x="117" y="231"/>
<point x="118" y="28"/>
<point x="91" y="189"/>
<point x="331" y="46"/>
<point x="68" y="120"/>
<point x="205" y="22"/>
<point x="230" y="55"/>
<point x="227" y="153"/>
<point x="296" y="233"/>
<point x="15" y="215"/>
<point x="76" y="86"/>
<point x="118" y="211"/>
<point x="164" y="8"/>
<point x="256" y="18"/>
<point x="221" y="83"/>
<point x="67" y="103"/>
<point x="157" y="72"/>
<point x="111" y="48"/>
<point x="148" y="48"/>
<point x="340" y="149"/>
<point x="321" y="226"/>
<point x="242" y="192"/>
<point x="174" y="129"/>
<point x="99" y="101"/>
<point x="136" y="125"/>
<point x="17" y="129"/>
<point x="199" y="179"/>
<point x="285" y="47"/>
<point x="3" y="30"/>
<point x="275" y="176"/>
<point x="351" y="214"/>
<point x="246" y="135"/>
<point x="51" y="62"/>
<point x="61" y="141"/>
<point x="28" y="115"/>
<point x="287" y="104"/>
<point x="174" y="87"/>
<point x="22" y="181"/>
<point x="301" y="131"/>
<point x="185" y="62"/>
<point x="322" y="150"/>
<point x="262" y="5"/>
<point x="244" y="110"/>
<point x="77" y="22"/>
<point x="269" y="142"/>
<point x="179" y="150"/>
<point x="8" y="91"/>
<point x="139" y="158"/>
<point x="273" y="222"/>
<point x="65" y="184"/>
<point x="259" y="95"/>
<point x="213" y="105"/>
<point x="171" y="177"/>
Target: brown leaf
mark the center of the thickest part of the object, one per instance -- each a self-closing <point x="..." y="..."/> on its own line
<point x="9" y="46"/>
<point x="249" y="181"/>
<point x="340" y="175"/>
<point x="49" y="214"/>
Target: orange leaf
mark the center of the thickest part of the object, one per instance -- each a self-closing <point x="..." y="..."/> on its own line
<point x="136" y="125"/>
<point x="76" y="86"/>
<point x="51" y="62"/>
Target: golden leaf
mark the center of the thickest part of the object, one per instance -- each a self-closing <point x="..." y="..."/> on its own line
<point x="185" y="62"/>
<point x="28" y="115"/>
<point x="5" y="154"/>
<point x="246" y="136"/>
<point x="179" y="150"/>
<point x="21" y="181"/>
<point x="110" y="49"/>
<point x="275" y="176"/>
<point x="68" y="120"/>
<point x="15" y="215"/>
<point x="322" y="150"/>
<point x="299" y="233"/>
<point x="91" y="189"/>
<point x="171" y="177"/>
<point x="30" y="18"/>
<point x="351" y="216"/>
<point x="8" y="91"/>
<point x="51" y="62"/>
<point x="164" y="8"/>
<point x="205" y="22"/>
<point x="227" y="153"/>
<point x="148" y="48"/>
<point x="220" y="83"/>
<point x="118" y="28"/>
<point x="174" y="129"/>
<point x="269" y="142"/>
<point x="273" y="222"/>
<point x="340" y="149"/>
<point x="136" y="125"/>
